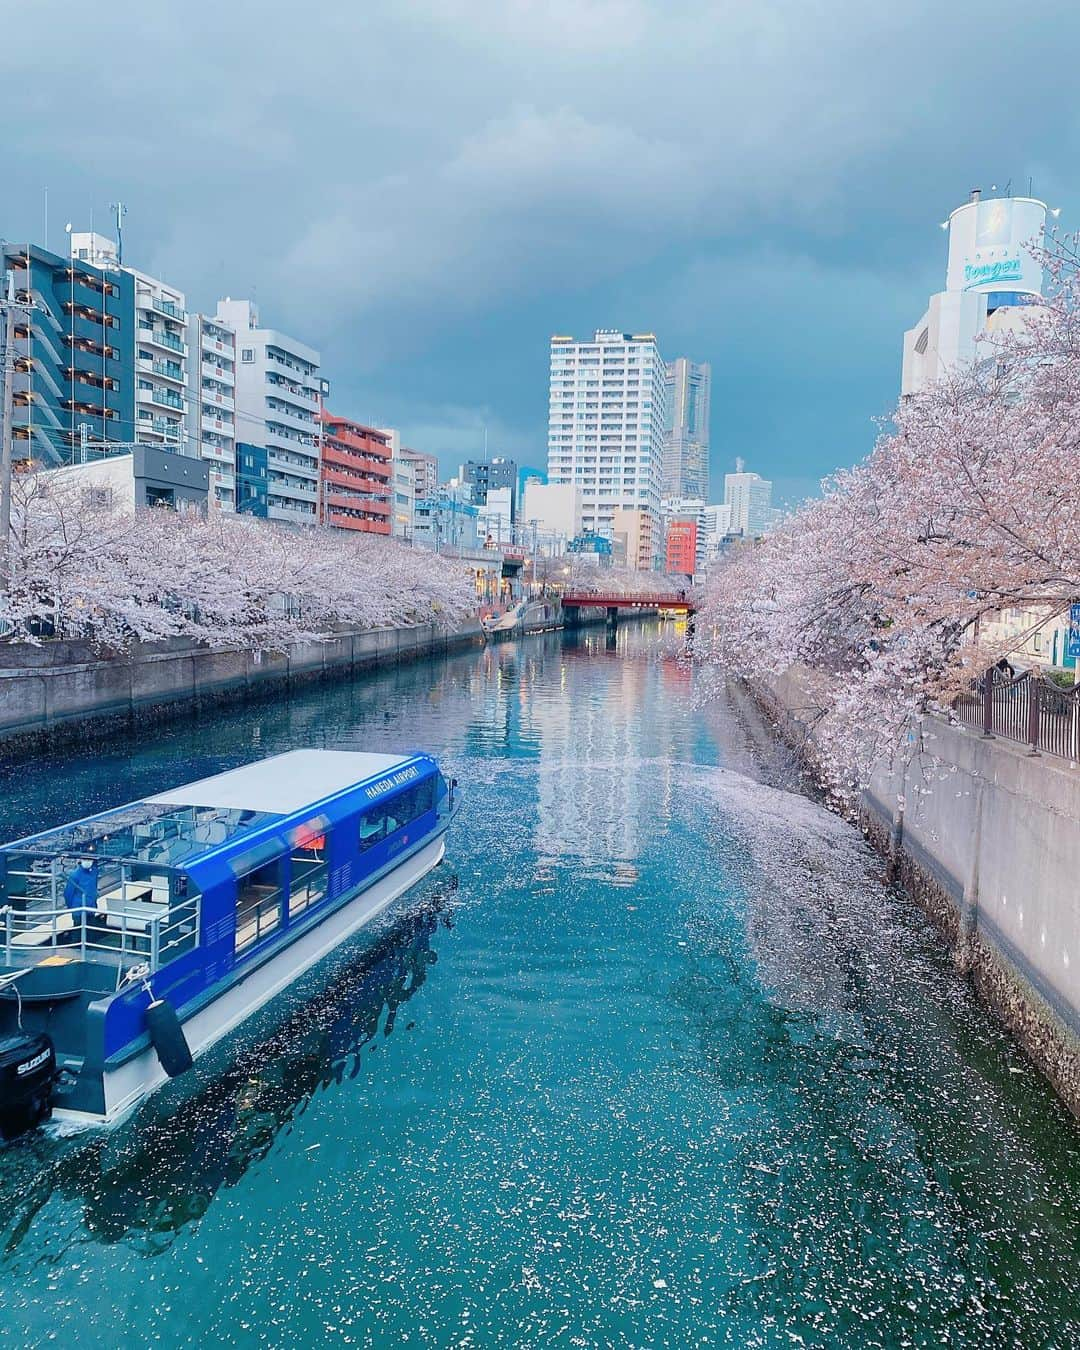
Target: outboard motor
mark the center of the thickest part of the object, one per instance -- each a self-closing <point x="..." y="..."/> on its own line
<point x="27" y="1076"/>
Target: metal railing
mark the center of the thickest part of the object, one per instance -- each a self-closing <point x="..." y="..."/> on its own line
<point x="120" y="933"/>
<point x="1028" y="709"/>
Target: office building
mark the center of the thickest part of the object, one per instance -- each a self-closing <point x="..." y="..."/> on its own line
<point x="484" y="475"/>
<point x="686" y="430"/>
<point x="750" y="498"/>
<point x="991" y="278"/>
<point x="447" y="522"/>
<point x="277" y="401"/>
<point x="357" y="476"/>
<point x="73" y="382"/>
<point x="684" y="536"/>
<point x="715" y="531"/>
<point x="606" y="430"/>
<point x="211" y="430"/>
<point x="161" y="346"/>
<point x="638" y="533"/>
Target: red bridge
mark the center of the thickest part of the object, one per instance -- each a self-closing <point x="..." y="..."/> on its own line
<point x="574" y="599"/>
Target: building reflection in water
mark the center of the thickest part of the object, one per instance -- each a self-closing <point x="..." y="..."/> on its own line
<point x="169" y="1162"/>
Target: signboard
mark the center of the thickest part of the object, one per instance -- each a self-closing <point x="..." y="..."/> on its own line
<point x="1072" y="640"/>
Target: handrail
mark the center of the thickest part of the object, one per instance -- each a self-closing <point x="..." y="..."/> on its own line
<point x="1027" y="708"/>
<point x="119" y="932"/>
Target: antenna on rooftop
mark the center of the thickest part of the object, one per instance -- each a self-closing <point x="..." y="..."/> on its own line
<point x="120" y="211"/>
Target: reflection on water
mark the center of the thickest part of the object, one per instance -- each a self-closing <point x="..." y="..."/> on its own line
<point x="162" y="1169"/>
<point x="689" y="1074"/>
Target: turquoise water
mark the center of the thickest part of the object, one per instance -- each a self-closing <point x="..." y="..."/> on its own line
<point x="655" y="1061"/>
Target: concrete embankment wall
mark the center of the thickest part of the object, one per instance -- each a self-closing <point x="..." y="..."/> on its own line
<point x="64" y="690"/>
<point x="986" y="836"/>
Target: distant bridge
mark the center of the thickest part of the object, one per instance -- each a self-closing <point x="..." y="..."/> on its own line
<point x="575" y="601"/>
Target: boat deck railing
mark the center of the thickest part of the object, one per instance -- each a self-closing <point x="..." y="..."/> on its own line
<point x="118" y="934"/>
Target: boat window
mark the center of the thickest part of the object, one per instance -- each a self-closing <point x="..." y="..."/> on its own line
<point x="308" y="884"/>
<point x="379" y="821"/>
<point x="258" y="904"/>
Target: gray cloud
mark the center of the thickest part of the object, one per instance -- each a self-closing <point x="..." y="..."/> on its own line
<point x="427" y="188"/>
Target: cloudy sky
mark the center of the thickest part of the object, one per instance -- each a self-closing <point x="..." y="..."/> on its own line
<point x="427" y="189"/>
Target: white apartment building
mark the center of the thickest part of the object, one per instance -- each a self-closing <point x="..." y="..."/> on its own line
<point x="750" y="498"/>
<point x="161" y="350"/>
<point x="606" y="428"/>
<point x="212" y="399"/>
<point x="403" y="512"/>
<point x="991" y="277"/>
<point x="554" y="508"/>
<point x="277" y="401"/>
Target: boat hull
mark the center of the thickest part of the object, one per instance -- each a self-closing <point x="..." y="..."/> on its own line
<point x="127" y="1084"/>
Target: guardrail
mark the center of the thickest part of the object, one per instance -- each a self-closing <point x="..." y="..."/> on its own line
<point x="1028" y="709"/>
<point x="118" y="933"/>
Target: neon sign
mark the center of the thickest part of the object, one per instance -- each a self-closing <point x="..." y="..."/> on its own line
<point x="1003" y="269"/>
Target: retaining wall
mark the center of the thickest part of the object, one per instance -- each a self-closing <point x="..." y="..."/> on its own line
<point x="986" y="836"/>
<point x="63" y="690"/>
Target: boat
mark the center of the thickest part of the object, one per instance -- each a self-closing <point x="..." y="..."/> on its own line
<point x="527" y="616"/>
<point x="187" y="911"/>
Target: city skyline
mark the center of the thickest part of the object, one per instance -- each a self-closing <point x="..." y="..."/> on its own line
<point x="436" y="266"/>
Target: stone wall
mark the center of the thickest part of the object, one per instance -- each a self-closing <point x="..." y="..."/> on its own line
<point x="64" y="690"/>
<point x="986" y="836"/>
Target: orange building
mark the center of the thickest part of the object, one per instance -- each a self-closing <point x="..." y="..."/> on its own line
<point x="356" y="476"/>
<point x="681" y="554"/>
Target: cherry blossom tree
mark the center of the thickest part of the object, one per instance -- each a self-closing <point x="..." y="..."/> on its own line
<point x="878" y="591"/>
<point x="76" y="568"/>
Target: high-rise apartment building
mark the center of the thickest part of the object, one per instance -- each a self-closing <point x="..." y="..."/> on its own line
<point x="750" y="498"/>
<point x="73" y="381"/>
<point x="991" y="277"/>
<point x="686" y="430"/>
<point x="277" y="405"/>
<point x="212" y="404"/>
<point x="357" y="476"/>
<point x="161" y="347"/>
<point x="606" y="430"/>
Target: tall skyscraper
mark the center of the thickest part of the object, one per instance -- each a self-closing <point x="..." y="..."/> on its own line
<point x="750" y="498"/>
<point x="277" y="402"/>
<point x="686" y="430"/>
<point x="606" y="430"/>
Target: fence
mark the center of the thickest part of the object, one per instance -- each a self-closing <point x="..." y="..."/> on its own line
<point x="1030" y="709"/>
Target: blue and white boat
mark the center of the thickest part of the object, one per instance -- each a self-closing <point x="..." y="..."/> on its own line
<point x="187" y="911"/>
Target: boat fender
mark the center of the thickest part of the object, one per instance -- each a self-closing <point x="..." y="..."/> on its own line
<point x="167" y="1037"/>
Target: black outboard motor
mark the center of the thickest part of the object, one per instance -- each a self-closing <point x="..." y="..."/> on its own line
<point x="27" y="1076"/>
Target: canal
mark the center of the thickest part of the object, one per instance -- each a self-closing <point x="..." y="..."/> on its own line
<point x="656" y="1061"/>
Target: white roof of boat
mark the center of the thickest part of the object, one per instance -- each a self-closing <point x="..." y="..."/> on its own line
<point x="283" y="783"/>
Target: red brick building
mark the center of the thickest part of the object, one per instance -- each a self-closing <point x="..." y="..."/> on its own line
<point x="681" y="554"/>
<point x="357" y="476"/>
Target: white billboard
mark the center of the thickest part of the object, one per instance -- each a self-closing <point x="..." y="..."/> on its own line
<point x="989" y="245"/>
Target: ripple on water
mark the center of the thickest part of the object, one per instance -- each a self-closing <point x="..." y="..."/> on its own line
<point x="664" y="1063"/>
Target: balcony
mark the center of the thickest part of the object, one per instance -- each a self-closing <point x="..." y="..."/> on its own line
<point x="217" y="454"/>
<point x="211" y="370"/>
<point x="212" y="398"/>
<point x="217" y="424"/>
<point x="280" y="487"/>
<point x="145" y="300"/>
<point x="168" y="370"/>
<point x="346" y="501"/>
<point x="162" y="398"/>
<point x="160" y="338"/>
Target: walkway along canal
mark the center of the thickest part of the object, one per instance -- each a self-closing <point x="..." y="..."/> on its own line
<point x="660" y="1061"/>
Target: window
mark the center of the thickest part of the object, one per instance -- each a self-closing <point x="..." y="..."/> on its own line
<point x="247" y="354"/>
<point x="308" y="884"/>
<point x="258" y="904"/>
<point x="382" y="820"/>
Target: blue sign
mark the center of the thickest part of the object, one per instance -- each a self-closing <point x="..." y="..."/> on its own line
<point x="1072" y="641"/>
<point x="1003" y="269"/>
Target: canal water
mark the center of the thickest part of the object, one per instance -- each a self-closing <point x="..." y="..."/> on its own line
<point x="656" y="1060"/>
